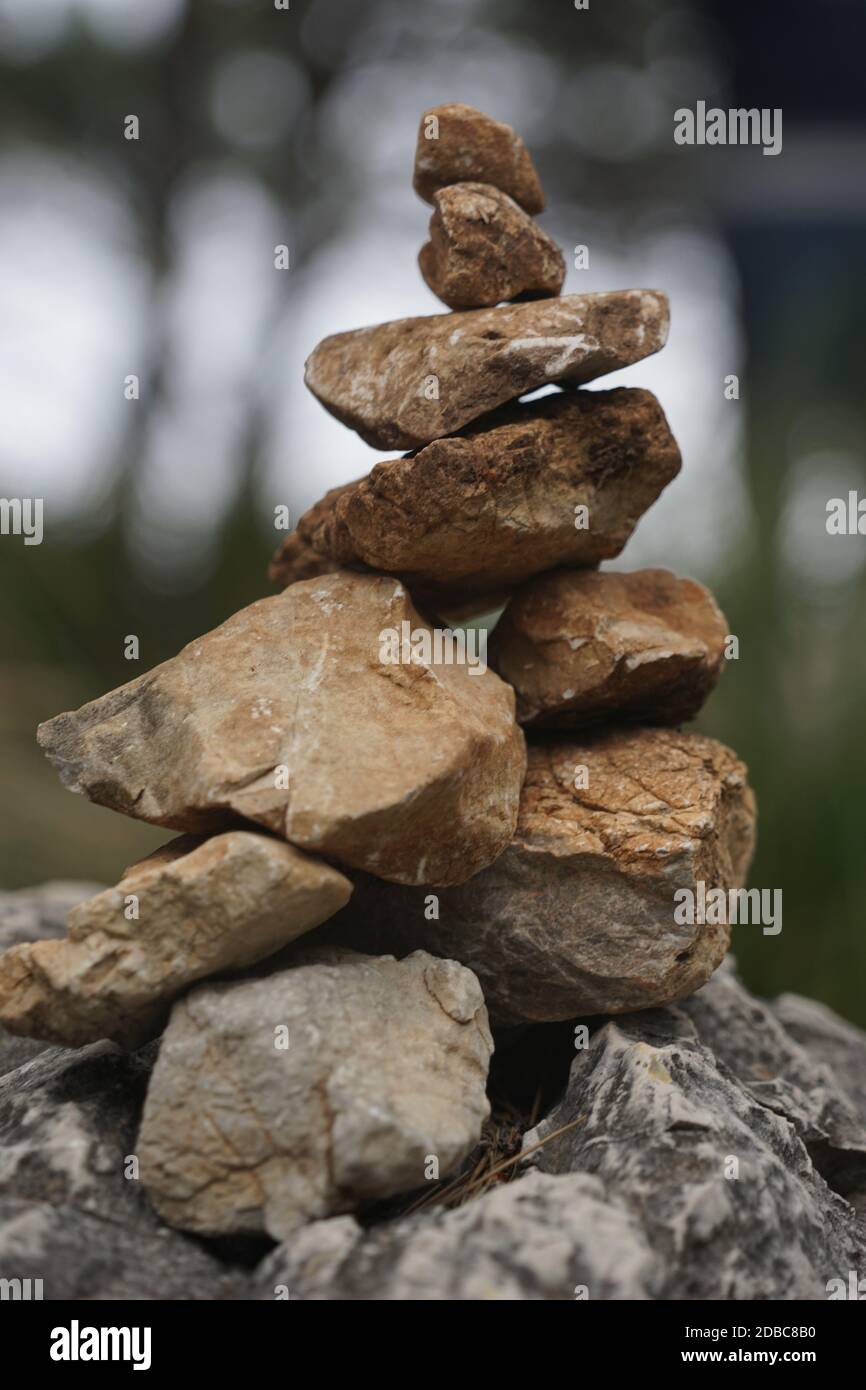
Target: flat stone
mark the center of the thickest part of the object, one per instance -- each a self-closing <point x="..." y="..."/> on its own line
<point x="203" y="907"/>
<point x="483" y="249"/>
<point x="305" y="1093"/>
<point x="405" y="383"/>
<point x="72" y="1210"/>
<point x="717" y="1154"/>
<point x="580" y="646"/>
<point x="484" y="510"/>
<point x="577" y="916"/>
<point x="290" y="715"/>
<point x="457" y="143"/>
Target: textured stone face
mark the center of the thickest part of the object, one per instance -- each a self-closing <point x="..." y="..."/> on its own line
<point x="483" y="249"/>
<point x="289" y="715"/>
<point x="665" y="1102"/>
<point x="457" y="144"/>
<point x="71" y="1212"/>
<point x="202" y="907"/>
<point x="577" y="916"/>
<point x="405" y="383"/>
<point x="484" y="510"/>
<point x="530" y="1240"/>
<point x="580" y="646"/>
<point x="384" y="1065"/>
<point x="295" y="560"/>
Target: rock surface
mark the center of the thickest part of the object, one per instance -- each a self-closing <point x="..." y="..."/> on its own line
<point x="405" y="383"/>
<point x="295" y="560"/>
<point x="457" y="143"/>
<point x="577" y="916"/>
<point x="288" y="716"/>
<point x="711" y="1133"/>
<point x="69" y="1215"/>
<point x="385" y="1065"/>
<point x="488" y="508"/>
<point x="534" y="1239"/>
<point x="581" y="646"/>
<point x="484" y="249"/>
<point x="34" y="914"/>
<point x="203" y="907"/>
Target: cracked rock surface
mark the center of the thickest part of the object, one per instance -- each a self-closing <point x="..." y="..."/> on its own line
<point x="288" y="716"/>
<point x="577" y="916"/>
<point x="405" y="383"/>
<point x="385" y="1065"/>
<point x="581" y="646"/>
<point x="484" y="249"/>
<point x="496" y="504"/>
<point x="69" y="1214"/>
<point x="457" y="143"/>
<point x="35" y="914"/>
<point x="639" y="1197"/>
<point x="734" y="1178"/>
<point x="201" y="907"/>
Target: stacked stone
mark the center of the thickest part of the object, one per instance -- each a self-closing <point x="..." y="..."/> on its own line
<point x="313" y="779"/>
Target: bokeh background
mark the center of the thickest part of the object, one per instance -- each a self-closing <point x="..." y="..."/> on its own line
<point x="261" y="127"/>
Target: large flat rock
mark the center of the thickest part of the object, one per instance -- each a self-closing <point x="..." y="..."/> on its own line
<point x="193" y="909"/>
<point x="292" y="715"/>
<point x="498" y="503"/>
<point x="405" y="383"/>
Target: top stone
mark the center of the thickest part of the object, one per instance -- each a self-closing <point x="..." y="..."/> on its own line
<point x="457" y="144"/>
<point x="405" y="383"/>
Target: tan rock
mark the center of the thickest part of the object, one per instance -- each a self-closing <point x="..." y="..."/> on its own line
<point x="280" y="1100"/>
<point x="581" y="645"/>
<point x="577" y="916"/>
<point x="405" y="383"/>
<point x="203" y="907"/>
<point x="296" y="560"/>
<point x="291" y="715"/>
<point x="457" y="144"/>
<point x="483" y="249"/>
<point x="482" y="511"/>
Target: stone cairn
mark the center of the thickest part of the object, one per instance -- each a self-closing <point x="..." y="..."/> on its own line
<point x="504" y="835"/>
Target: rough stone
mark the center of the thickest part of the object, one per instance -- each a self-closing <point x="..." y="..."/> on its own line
<point x="34" y="914"/>
<point x="728" y="1177"/>
<point x="580" y="646"/>
<point x="457" y="143"/>
<point x="484" y="249"/>
<point x="288" y="715"/>
<point x="295" y="560"/>
<point x="577" y="916"/>
<point x="384" y="1066"/>
<point x="203" y="908"/>
<point x="534" y="1239"/>
<point x="71" y="1211"/>
<point x="490" y="507"/>
<point x="405" y="383"/>
<point x="830" y="1041"/>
